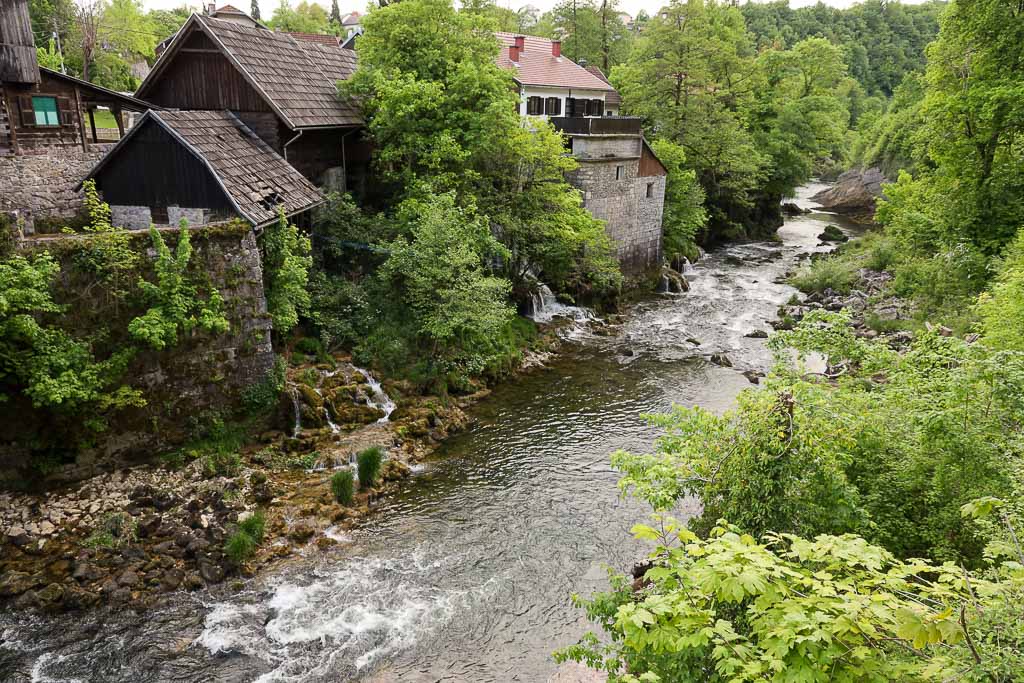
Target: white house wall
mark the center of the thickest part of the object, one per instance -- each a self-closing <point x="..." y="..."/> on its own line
<point x="563" y="94"/>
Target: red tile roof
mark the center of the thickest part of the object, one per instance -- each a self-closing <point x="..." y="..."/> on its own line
<point x="613" y="98"/>
<point x="537" y="66"/>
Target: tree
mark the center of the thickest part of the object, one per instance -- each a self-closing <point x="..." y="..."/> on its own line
<point x="254" y="10"/>
<point x="335" y="13"/>
<point x="306" y="17"/>
<point x="459" y="309"/>
<point x="684" y="215"/>
<point x="88" y="15"/>
<point x="286" y="264"/>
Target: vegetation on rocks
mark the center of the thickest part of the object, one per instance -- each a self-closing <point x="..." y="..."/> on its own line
<point x="368" y="465"/>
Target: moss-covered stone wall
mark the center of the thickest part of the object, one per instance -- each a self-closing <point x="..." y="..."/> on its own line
<point x="202" y="377"/>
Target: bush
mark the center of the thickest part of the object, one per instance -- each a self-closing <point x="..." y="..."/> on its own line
<point x="262" y="396"/>
<point x="239" y="547"/>
<point x="343" y="486"/>
<point x="831" y="272"/>
<point x="309" y="346"/>
<point x="368" y="463"/>
<point x="254" y="526"/>
<point x="221" y="464"/>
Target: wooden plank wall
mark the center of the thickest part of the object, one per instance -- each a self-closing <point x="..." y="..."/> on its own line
<point x="153" y="169"/>
<point x="17" y="45"/>
<point x="29" y="137"/>
<point x="200" y="77"/>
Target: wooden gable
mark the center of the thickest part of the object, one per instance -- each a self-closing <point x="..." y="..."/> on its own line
<point x="200" y="76"/>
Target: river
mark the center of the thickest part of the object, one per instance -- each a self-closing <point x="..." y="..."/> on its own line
<point x="467" y="574"/>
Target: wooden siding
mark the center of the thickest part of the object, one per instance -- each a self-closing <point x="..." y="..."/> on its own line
<point x="267" y="126"/>
<point x="17" y="45"/>
<point x="155" y="170"/>
<point x="315" y="152"/>
<point x="25" y="135"/>
<point x="649" y="163"/>
<point x="201" y="77"/>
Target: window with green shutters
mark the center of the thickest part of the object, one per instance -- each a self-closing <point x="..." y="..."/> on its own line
<point x="46" y="111"/>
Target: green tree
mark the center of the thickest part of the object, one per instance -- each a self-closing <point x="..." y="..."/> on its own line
<point x="286" y="263"/>
<point x="684" y="215"/>
<point x="458" y="307"/>
<point x="305" y="17"/>
<point x="175" y="306"/>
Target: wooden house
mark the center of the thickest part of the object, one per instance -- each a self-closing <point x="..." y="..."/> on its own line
<point x="283" y="86"/>
<point x="201" y="166"/>
<point x="48" y="127"/>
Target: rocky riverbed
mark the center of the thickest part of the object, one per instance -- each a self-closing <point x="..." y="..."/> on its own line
<point x="132" y="536"/>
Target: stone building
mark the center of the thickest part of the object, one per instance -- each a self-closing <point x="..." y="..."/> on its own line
<point x="623" y="184"/>
<point x="622" y="181"/>
<point x="49" y="135"/>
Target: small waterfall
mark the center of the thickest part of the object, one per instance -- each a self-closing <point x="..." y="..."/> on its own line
<point x="545" y="307"/>
<point x="297" y="405"/>
<point x="378" y="398"/>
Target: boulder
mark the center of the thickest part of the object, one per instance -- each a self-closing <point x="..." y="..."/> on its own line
<point x="833" y="233"/>
<point x="853" y="193"/>
<point x="721" y="359"/>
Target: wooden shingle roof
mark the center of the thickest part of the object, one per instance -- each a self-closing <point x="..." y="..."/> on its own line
<point x="255" y="178"/>
<point x="297" y="78"/>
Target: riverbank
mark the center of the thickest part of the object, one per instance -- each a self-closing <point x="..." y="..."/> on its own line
<point x="130" y="538"/>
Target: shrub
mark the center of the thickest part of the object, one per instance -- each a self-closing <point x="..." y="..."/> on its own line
<point x="262" y="396"/>
<point x="254" y="526"/>
<point x="309" y="346"/>
<point x="831" y="272"/>
<point x="368" y="463"/>
<point x="221" y="464"/>
<point x="343" y="486"/>
<point x="239" y="547"/>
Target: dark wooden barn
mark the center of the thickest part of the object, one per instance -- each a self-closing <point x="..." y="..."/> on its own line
<point x="283" y="87"/>
<point x="201" y="166"/>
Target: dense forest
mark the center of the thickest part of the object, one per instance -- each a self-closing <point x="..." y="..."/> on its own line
<point x="863" y="523"/>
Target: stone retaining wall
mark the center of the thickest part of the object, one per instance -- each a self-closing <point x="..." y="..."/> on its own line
<point x="184" y="386"/>
<point x="41" y="184"/>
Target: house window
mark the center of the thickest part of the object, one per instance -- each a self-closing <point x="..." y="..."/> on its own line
<point x="650" y="190"/>
<point x="534" y="106"/>
<point x="553" y="106"/>
<point x="618" y="173"/>
<point x="45" y="109"/>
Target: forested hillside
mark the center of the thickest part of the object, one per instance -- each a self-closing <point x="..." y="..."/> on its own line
<point x="862" y="522"/>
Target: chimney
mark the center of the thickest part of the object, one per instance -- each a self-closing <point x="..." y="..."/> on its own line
<point x="556" y="48"/>
<point x="520" y="43"/>
<point x="513" y="53"/>
<point x="210" y="9"/>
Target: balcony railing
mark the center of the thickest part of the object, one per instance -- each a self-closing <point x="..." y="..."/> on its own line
<point x="599" y="125"/>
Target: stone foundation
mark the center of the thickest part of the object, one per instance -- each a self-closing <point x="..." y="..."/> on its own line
<point x="41" y="184"/>
<point x="141" y="217"/>
<point x="614" y="191"/>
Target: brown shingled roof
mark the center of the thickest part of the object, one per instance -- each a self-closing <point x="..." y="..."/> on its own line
<point x="537" y="66"/>
<point x="297" y="78"/>
<point x="613" y="98"/>
<point x="321" y="38"/>
<point x="255" y="178"/>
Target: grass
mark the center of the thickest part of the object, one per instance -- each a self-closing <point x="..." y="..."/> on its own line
<point x="239" y="547"/>
<point x="343" y="486"/>
<point x="837" y="273"/>
<point x="254" y="525"/>
<point x="368" y="464"/>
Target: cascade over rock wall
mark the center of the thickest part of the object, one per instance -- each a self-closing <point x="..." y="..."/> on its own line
<point x="201" y="377"/>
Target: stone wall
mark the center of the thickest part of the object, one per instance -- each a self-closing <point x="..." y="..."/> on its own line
<point x="606" y="146"/>
<point x="41" y="184"/>
<point x="141" y="217"/>
<point x="614" y="191"/>
<point x="201" y="377"/>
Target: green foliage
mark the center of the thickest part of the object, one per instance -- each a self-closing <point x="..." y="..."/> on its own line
<point x="828" y="272"/>
<point x="343" y="486"/>
<point x="254" y="526"/>
<point x="368" y="465"/>
<point x="239" y="547"/>
<point x="115" y="530"/>
<point x="1001" y="309"/>
<point x="175" y="304"/>
<point x="835" y="608"/>
<point x="221" y="464"/>
<point x="286" y="264"/>
<point x="43" y="362"/>
<point x="684" y="215"/>
<point x="458" y="308"/>
<point x="262" y="396"/>
<point x="305" y="17"/>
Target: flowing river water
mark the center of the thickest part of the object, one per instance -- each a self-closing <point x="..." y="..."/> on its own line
<point x="466" y="575"/>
